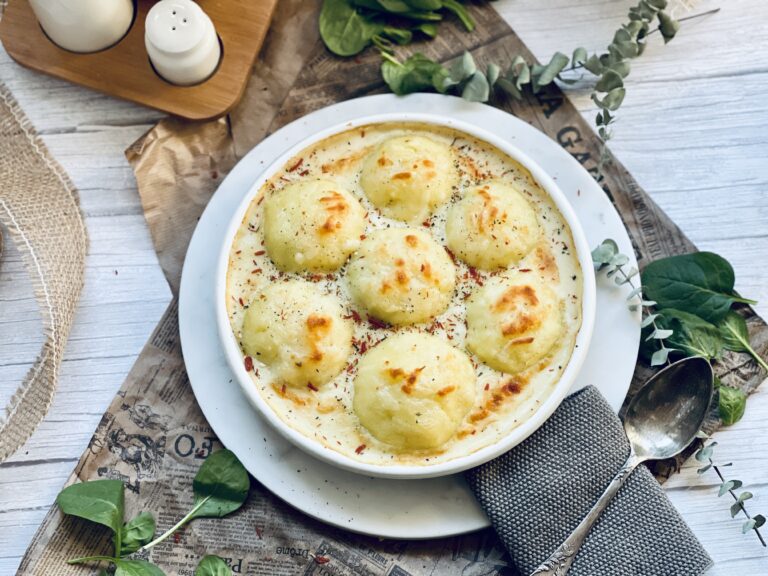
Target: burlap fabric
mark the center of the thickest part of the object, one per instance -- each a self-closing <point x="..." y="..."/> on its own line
<point x="536" y="494"/>
<point x="39" y="207"/>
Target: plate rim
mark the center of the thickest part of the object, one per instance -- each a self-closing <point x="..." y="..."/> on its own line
<point x="448" y="105"/>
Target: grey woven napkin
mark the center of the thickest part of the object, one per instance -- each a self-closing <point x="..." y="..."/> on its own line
<point x="537" y="493"/>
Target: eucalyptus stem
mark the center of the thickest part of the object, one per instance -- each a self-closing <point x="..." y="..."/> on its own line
<point x="691" y="17"/>
<point x="739" y="502"/>
<point x="84" y="559"/>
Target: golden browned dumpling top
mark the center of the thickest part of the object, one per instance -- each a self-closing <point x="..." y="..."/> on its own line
<point x="413" y="390"/>
<point x="407" y="177"/>
<point x="298" y="332"/>
<point x="312" y="226"/>
<point x="512" y="323"/>
<point x="401" y="276"/>
<point x="492" y="226"/>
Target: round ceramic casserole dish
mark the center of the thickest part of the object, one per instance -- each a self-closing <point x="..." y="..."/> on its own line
<point x="568" y="376"/>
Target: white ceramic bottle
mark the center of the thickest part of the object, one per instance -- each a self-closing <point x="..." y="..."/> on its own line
<point x="84" y="25"/>
<point x="181" y="42"/>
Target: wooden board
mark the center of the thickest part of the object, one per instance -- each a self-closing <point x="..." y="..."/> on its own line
<point x="124" y="69"/>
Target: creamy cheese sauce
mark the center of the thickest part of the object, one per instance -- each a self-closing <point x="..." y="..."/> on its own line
<point x="503" y="401"/>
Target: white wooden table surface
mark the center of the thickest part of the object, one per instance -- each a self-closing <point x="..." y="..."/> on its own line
<point x="692" y="131"/>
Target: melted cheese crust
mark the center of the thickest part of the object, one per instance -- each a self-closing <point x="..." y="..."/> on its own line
<point x="502" y="401"/>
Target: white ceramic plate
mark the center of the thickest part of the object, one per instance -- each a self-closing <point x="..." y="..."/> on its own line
<point x="409" y="509"/>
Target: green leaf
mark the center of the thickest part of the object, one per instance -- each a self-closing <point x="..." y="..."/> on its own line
<point x="477" y="89"/>
<point x="735" y="509"/>
<point x="579" y="56"/>
<point x="605" y="252"/>
<point x="344" y="30"/>
<point x="612" y="100"/>
<point x="729" y="485"/>
<point x="731" y="404"/>
<point x="594" y="64"/>
<point x="546" y="74"/>
<point x="426" y="5"/>
<point x="394" y="6"/>
<point x="137" y="532"/>
<point x="416" y="74"/>
<point x="748" y="525"/>
<point x="660" y="357"/>
<point x="744" y="496"/>
<point x="428" y="28"/>
<point x="621" y="68"/>
<point x="699" y="283"/>
<point x="461" y="12"/>
<point x="657" y="4"/>
<point x="734" y="331"/>
<point x="492" y="74"/>
<point x="462" y="68"/>
<point x="137" y="568"/>
<point x="520" y="71"/>
<point x="691" y="334"/>
<point x="704" y="468"/>
<point x="100" y="501"/>
<point x="608" y="81"/>
<point x="212" y="566"/>
<point x="759" y="520"/>
<point x="668" y="26"/>
<point x="400" y="35"/>
<point x="221" y="485"/>
<point x="509" y="88"/>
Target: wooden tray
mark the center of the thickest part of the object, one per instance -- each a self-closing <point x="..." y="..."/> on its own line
<point x="124" y="70"/>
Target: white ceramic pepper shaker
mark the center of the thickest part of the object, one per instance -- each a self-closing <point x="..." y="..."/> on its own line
<point x="84" y="25"/>
<point x="181" y="42"/>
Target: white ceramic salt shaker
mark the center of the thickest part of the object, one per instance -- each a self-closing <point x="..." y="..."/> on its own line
<point x="84" y="25"/>
<point x="181" y="42"/>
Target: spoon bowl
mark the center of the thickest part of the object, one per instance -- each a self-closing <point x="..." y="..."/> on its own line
<point x="666" y="413"/>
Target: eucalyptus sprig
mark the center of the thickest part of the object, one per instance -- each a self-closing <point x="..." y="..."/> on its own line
<point x="221" y="486"/>
<point x="608" y="259"/>
<point x="705" y="456"/>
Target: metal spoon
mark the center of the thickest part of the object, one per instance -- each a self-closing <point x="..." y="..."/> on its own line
<point x="661" y="421"/>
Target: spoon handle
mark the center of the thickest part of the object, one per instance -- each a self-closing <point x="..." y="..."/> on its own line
<point x="561" y="559"/>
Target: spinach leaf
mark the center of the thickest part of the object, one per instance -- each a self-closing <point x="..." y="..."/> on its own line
<point x="733" y="329"/>
<point x="700" y="283"/>
<point x="137" y="532"/>
<point x="100" y="501"/>
<point x="344" y="30"/>
<point x="221" y="486"/>
<point x="426" y="5"/>
<point x="691" y="334"/>
<point x="731" y="404"/>
<point x="461" y="13"/>
<point x="417" y="73"/>
<point x="137" y="568"/>
<point x="212" y="566"/>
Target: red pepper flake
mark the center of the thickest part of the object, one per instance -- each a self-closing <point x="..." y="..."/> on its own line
<point x="376" y="323"/>
<point x="359" y="449"/>
<point x="452" y="255"/>
<point x="316" y="277"/>
<point x="256" y="271"/>
<point x="524" y="270"/>
<point x="241" y="301"/>
<point x="362" y="236"/>
<point x="248" y="363"/>
<point x="426" y="223"/>
<point x="296" y="166"/>
<point x="239" y="252"/>
<point x="282" y="390"/>
<point x="260" y="533"/>
<point x="354" y="315"/>
<point x="487" y="387"/>
<point x="312" y="387"/>
<point x="260" y="253"/>
<point x="304" y="172"/>
<point x="475" y="276"/>
<point x="322" y="559"/>
<point x="363" y="347"/>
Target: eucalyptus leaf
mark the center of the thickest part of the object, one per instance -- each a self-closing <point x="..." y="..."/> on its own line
<point x="660" y="357"/>
<point x="212" y="566"/>
<point x="729" y="485"/>
<point x="477" y="89"/>
<point x="612" y="100"/>
<point x="221" y="485"/>
<point x="748" y="525"/>
<point x="609" y="80"/>
<point x="492" y="74"/>
<point x="137" y="568"/>
<point x="668" y="26"/>
<point x="509" y="88"/>
<point x="731" y="404"/>
<point x="605" y="252"/>
<point x="657" y="4"/>
<point x="136" y="533"/>
<point x="594" y="64"/>
<point x="759" y="520"/>
<point x="735" y="509"/>
<point x="579" y="56"/>
<point x="100" y="501"/>
<point x="548" y="73"/>
<point x="744" y="496"/>
<point x="699" y="283"/>
<point x="462" y="68"/>
<point x="344" y="30"/>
